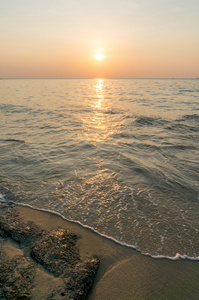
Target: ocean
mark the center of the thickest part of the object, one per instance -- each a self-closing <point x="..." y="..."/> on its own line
<point x="120" y="156"/>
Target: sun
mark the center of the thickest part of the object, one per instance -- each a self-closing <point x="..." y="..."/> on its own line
<point x="99" y="56"/>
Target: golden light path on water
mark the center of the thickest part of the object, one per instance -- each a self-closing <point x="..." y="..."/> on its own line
<point x="100" y="125"/>
<point x="99" y="93"/>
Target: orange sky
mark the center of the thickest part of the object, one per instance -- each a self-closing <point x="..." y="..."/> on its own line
<point x="59" y="39"/>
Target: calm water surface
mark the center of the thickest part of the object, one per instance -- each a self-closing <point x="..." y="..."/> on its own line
<point x="119" y="156"/>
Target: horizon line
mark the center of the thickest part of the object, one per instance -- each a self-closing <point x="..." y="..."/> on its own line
<point x="59" y="78"/>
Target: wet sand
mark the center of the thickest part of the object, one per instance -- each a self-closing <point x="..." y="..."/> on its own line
<point x="124" y="273"/>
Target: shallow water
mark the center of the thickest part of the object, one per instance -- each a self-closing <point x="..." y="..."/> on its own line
<point x="119" y="156"/>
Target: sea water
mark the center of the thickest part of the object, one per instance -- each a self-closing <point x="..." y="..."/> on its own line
<point x="117" y="155"/>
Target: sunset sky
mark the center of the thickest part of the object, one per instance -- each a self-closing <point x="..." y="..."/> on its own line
<point x="61" y="38"/>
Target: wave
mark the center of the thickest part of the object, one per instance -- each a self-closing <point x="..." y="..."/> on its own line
<point x="20" y="109"/>
<point x="9" y="108"/>
<point x="187" y="91"/>
<point x="15" y="141"/>
<point x="179" y="147"/>
<point x="187" y="123"/>
<point x="141" y="121"/>
<point x="182" y="127"/>
<point x="177" y="256"/>
<point x="113" y="112"/>
<point x="191" y="117"/>
<point x="149" y="121"/>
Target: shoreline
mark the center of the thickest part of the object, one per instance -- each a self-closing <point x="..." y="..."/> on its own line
<point x="173" y="258"/>
<point x="177" y="256"/>
<point x="123" y="273"/>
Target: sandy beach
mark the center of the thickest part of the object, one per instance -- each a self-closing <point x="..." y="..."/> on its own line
<point x="123" y="273"/>
<point x="99" y="147"/>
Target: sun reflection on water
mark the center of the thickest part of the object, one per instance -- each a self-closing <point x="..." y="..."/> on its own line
<point x="98" y="124"/>
<point x="99" y="93"/>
